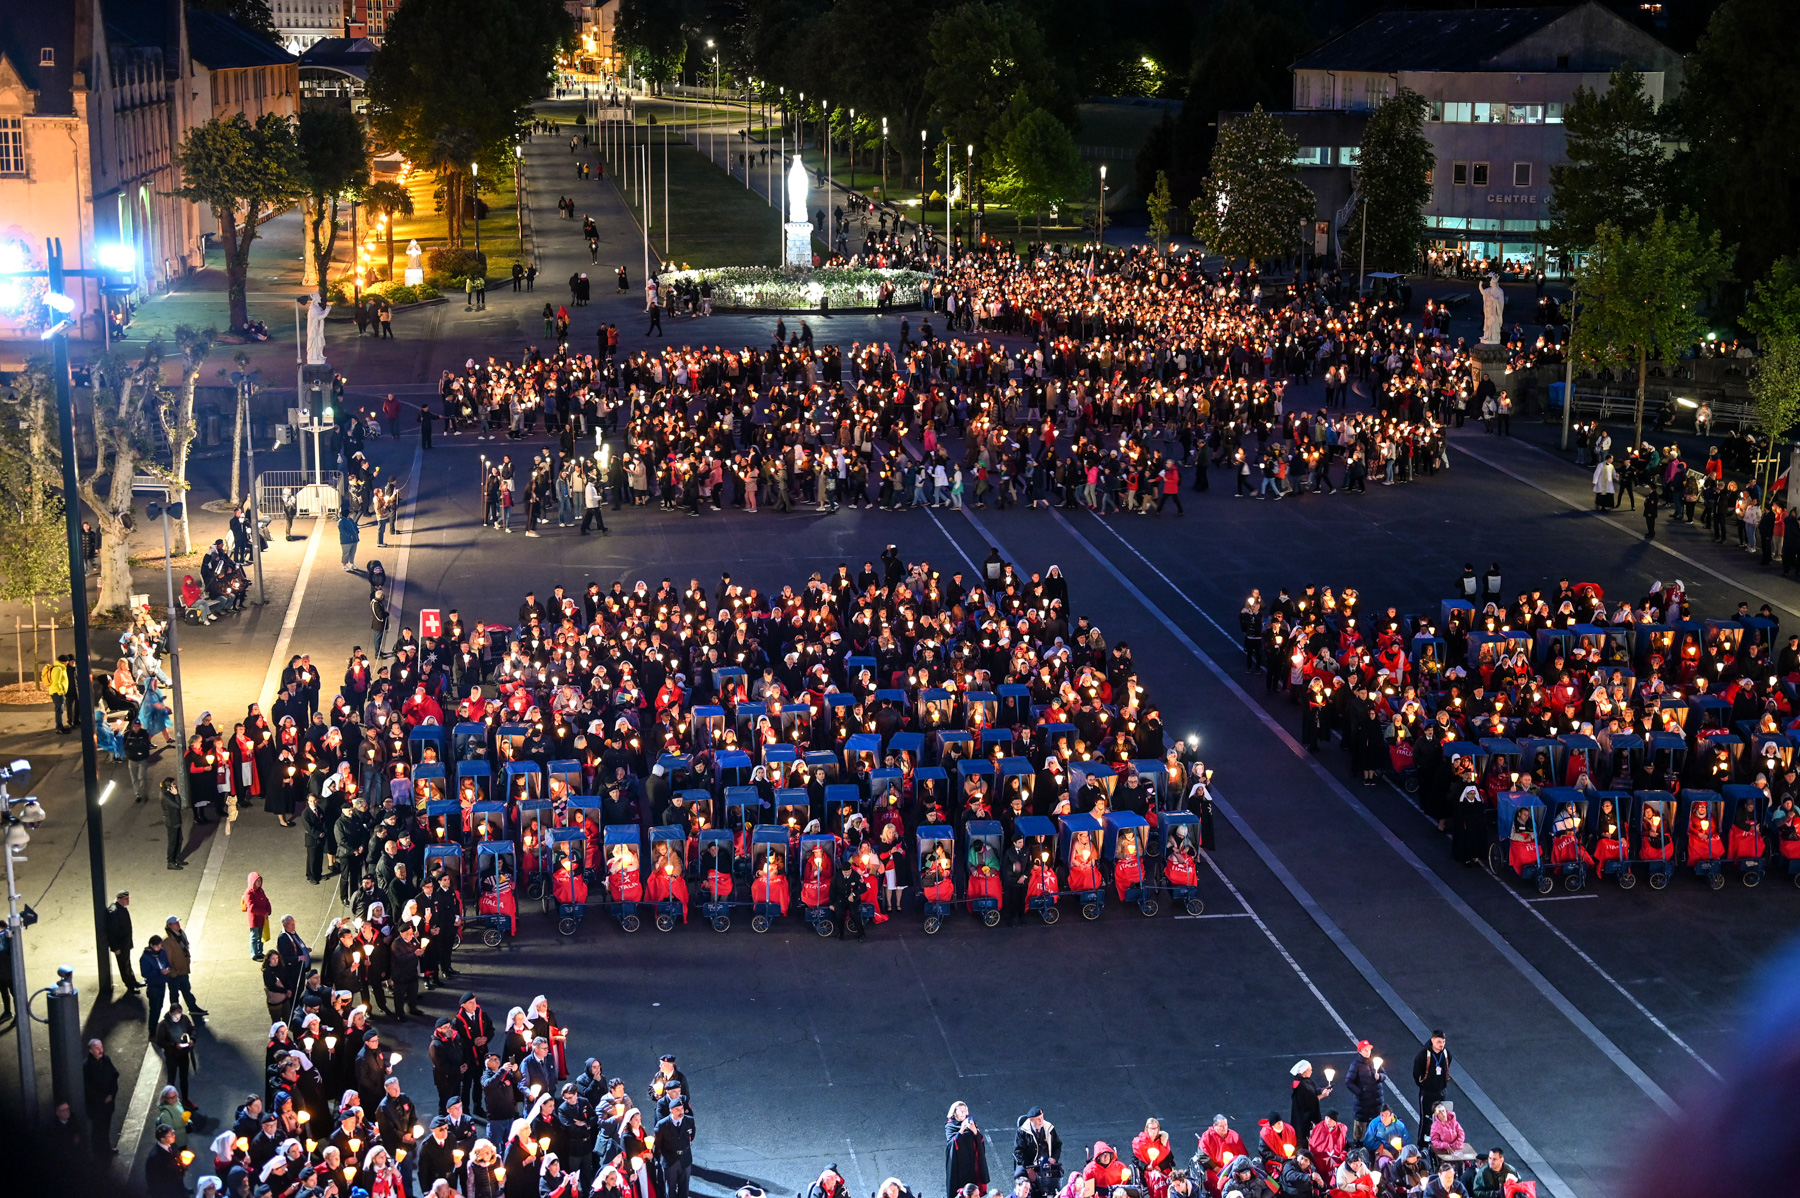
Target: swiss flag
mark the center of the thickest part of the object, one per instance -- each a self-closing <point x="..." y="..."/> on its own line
<point x="431" y="623"/>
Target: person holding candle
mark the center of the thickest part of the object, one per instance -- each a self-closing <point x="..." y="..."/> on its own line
<point x="1328" y="1143"/>
<point x="165" y="1169"/>
<point x="1385" y="1128"/>
<point x="1304" y="1113"/>
<point x="1153" y="1152"/>
<point x="1364" y="1083"/>
<point x="483" y="1174"/>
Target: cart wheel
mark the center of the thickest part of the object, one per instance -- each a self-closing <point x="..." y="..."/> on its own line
<point x="665" y="922"/>
<point x="630" y="923"/>
<point x="1410" y="784"/>
<point x="759" y="923"/>
<point x="825" y="928"/>
<point x="1495" y="860"/>
<point x="1149" y="907"/>
<point x="1717" y="880"/>
<point x="534" y="889"/>
<point x="549" y="904"/>
<point x="1052" y="914"/>
<point x="1090" y="910"/>
<point x="1658" y="880"/>
<point x="1545" y="884"/>
<point x="721" y="923"/>
<point x="1574" y="881"/>
<point x="491" y="937"/>
<point x="1753" y="878"/>
<point x="991" y="918"/>
<point x="1627" y="879"/>
<point x="567" y="925"/>
<point x="932" y="925"/>
<point x="1796" y="878"/>
<point x="1194" y="906"/>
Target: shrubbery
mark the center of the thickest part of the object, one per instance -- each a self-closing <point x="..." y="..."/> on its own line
<point x="460" y="264"/>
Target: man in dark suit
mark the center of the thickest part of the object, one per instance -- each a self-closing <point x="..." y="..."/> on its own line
<point x="675" y="1149"/>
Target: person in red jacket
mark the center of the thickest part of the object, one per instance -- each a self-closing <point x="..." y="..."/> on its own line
<point x="1171" y="487"/>
<point x="1105" y="1169"/>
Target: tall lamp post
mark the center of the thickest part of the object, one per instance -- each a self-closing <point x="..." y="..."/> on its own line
<point x="884" y="160"/>
<point x="117" y="265"/>
<point x="853" y="149"/>
<point x="1100" y="216"/>
<point x="475" y="175"/>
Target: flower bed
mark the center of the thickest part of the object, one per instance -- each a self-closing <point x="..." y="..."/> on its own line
<point x="768" y="289"/>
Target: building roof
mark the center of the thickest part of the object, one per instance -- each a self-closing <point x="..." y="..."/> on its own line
<point x="220" y="43"/>
<point x="1437" y="40"/>
<point x="349" y="55"/>
<point x="25" y="30"/>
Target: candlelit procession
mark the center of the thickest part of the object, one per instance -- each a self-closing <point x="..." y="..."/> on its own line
<point x="1199" y="595"/>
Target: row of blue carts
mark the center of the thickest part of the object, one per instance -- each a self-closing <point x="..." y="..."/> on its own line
<point x="1571" y="835"/>
<point x="759" y="864"/>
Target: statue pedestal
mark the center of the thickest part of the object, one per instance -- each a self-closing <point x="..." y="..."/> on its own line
<point x="1489" y="360"/>
<point x="797" y="250"/>
<point x="415" y="276"/>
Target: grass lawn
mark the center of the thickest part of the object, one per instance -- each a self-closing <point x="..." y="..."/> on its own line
<point x="499" y="229"/>
<point x="712" y="219"/>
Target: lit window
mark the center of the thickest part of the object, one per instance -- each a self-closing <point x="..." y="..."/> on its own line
<point x="1457" y="112"/>
<point x="1553" y="114"/>
<point x="47" y="56"/>
<point x="1313" y="156"/>
<point x="12" y="145"/>
<point x="1349" y="155"/>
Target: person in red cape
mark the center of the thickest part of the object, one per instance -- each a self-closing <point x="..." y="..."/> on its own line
<point x="1278" y="1140"/>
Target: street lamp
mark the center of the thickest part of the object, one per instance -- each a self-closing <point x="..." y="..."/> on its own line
<point x="475" y="174"/>
<point x="884" y="160"/>
<point x="921" y="172"/>
<point x="969" y="183"/>
<point x="853" y="149"/>
<point x="246" y="385"/>
<point x="166" y="511"/>
<point x="1100" y="218"/>
<point x="58" y="336"/>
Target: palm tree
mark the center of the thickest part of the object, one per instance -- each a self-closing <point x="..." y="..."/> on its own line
<point x="388" y="199"/>
<point x="451" y="151"/>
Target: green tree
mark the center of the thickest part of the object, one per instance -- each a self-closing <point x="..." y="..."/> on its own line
<point x="1741" y="166"/>
<point x="1160" y="204"/>
<point x="334" y="162"/>
<point x="1251" y="205"/>
<point x="121" y="399"/>
<point x="1773" y="312"/>
<point x="1393" y="184"/>
<point x="175" y="411"/>
<point x="653" y="36"/>
<point x="1042" y="165"/>
<point x="246" y="174"/>
<point x="1641" y="295"/>
<point x="860" y="64"/>
<point x="1617" y="170"/>
<point x="986" y="58"/>
<point x="34" y="548"/>
<point x="455" y="81"/>
<point x="1775" y="391"/>
<point x="388" y="199"/>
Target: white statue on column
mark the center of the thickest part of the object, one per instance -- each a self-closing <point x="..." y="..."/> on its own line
<point x="799" y="229"/>
<point x="1493" y="310"/>
<point x="316" y="311"/>
<point x="415" y="272"/>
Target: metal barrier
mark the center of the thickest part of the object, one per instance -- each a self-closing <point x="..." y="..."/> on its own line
<point x="311" y="498"/>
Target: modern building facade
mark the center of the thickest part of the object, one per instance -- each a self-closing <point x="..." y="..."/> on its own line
<point x="1497" y="81"/>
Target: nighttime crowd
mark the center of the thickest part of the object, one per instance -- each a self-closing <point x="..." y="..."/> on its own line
<point x="1114" y="381"/>
<point x="1566" y="734"/>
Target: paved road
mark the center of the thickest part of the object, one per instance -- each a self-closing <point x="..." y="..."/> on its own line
<point x="1334" y="912"/>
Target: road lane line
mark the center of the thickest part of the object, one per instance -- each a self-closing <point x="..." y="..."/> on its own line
<point x="1738" y="584"/>
<point x="1250" y="912"/>
<point x="932" y="1006"/>
<point x="397" y="585"/>
<point x="1439" y="884"/>
<point x="143" y="1093"/>
<point x="1408" y="1017"/>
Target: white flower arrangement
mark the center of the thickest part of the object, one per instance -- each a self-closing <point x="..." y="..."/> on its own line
<point x="768" y="288"/>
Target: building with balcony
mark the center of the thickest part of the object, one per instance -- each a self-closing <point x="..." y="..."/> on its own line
<point x="1497" y="81"/>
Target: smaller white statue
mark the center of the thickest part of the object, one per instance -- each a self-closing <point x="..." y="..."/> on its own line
<point x="316" y="311"/>
<point x="1493" y="310"/>
<point x="415" y="271"/>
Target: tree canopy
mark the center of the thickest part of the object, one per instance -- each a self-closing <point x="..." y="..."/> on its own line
<point x="1617" y="171"/>
<point x="1251" y="205"/>
<point x="653" y="37"/>
<point x="334" y="161"/>
<point x="245" y="173"/>
<point x="1393" y="179"/>
<point x="1641" y="295"/>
